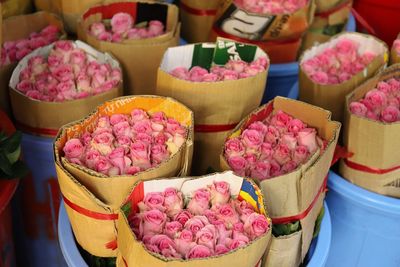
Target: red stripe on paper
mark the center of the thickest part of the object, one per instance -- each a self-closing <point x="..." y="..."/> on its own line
<point x="198" y="12"/>
<point x="34" y="130"/>
<point x="203" y="128"/>
<point x="89" y="213"/>
<point x="364" y="168"/>
<point x="333" y="10"/>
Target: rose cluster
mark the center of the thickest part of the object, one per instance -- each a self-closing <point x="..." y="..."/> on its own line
<point x="127" y="144"/>
<point x="232" y="70"/>
<point x="381" y="103"/>
<point x="66" y="74"/>
<point x="270" y="6"/>
<point x="122" y="28"/>
<point x="273" y="147"/>
<point x="396" y="46"/>
<point x="337" y="64"/>
<point x="211" y="224"/>
<point x="13" y="51"/>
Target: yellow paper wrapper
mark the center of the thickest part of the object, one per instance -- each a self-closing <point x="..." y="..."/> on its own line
<point x="394" y="55"/>
<point x="139" y="58"/>
<point x="375" y="144"/>
<point x="133" y="253"/>
<point x="86" y="190"/>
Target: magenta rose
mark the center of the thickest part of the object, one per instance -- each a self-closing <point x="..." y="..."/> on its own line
<point x="220" y="193"/>
<point x="256" y="225"/>
<point x="200" y="201"/>
<point x="121" y="22"/>
<point x="198" y="251"/>
<point x="173" y="202"/>
<point x="153" y="222"/>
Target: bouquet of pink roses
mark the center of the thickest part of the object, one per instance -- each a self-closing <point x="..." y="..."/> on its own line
<point x="99" y="158"/>
<point x="40" y="29"/>
<point x="67" y="77"/>
<point x="395" y="51"/>
<point x="287" y="147"/>
<point x="110" y="28"/>
<point x="372" y="119"/>
<point x="329" y="71"/>
<point x="218" y="218"/>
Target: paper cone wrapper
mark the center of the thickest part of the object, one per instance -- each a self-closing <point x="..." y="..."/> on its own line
<point x="326" y="5"/>
<point x="197" y="17"/>
<point x="394" y="55"/>
<point x="15" y="7"/>
<point x="332" y="97"/>
<point x="133" y="252"/>
<point x="319" y="31"/>
<point x="46" y="118"/>
<point x="375" y="145"/>
<point x="218" y="106"/>
<point x="22" y="26"/>
<point x="88" y="192"/>
<point x="290" y="250"/>
<point x="293" y="193"/>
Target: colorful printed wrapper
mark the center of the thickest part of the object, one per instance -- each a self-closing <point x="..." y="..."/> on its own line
<point x="218" y="106"/>
<point x="375" y="164"/>
<point x="332" y="97"/>
<point x="139" y="58"/>
<point x="92" y="200"/>
<point x="133" y="253"/>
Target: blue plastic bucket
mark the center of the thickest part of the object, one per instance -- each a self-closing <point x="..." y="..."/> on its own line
<point x="366" y="226"/>
<point x="36" y="207"/>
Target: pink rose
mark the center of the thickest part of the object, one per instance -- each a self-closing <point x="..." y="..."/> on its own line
<point x="260" y="170"/>
<point x="236" y="65"/>
<point x="172" y="229"/>
<point x="300" y="154"/>
<point x="24" y="86"/>
<point x="261" y="61"/>
<point x="223" y="233"/>
<point x="289" y="166"/>
<point x="281" y="119"/>
<point x="91" y="157"/>
<point x="221" y="249"/>
<point x="239" y="240"/>
<point x="124" y="141"/>
<point x="153" y="222"/>
<point x="320" y="77"/>
<point x="212" y="217"/>
<point x="275" y="168"/>
<point x="143" y="126"/>
<point x="259" y="127"/>
<point x="116" y="37"/>
<point x="220" y="193"/>
<point x="256" y="225"/>
<point x="290" y="140"/>
<point x="307" y="137"/>
<point x="184" y="241"/>
<point x="282" y="154"/>
<point x="64" y="49"/>
<point x="358" y="108"/>
<point x="200" y="201"/>
<point x="174" y="127"/>
<point x="196" y="74"/>
<point x="210" y="77"/>
<point x="234" y="147"/>
<point x="97" y="28"/>
<point x="253" y="70"/>
<point x="228" y="75"/>
<point x="103" y="142"/>
<point x="73" y="148"/>
<point x="66" y="90"/>
<point x="140" y="155"/>
<point x="238" y="165"/>
<point x="122" y="129"/>
<point x="272" y="136"/>
<point x="159" y="153"/>
<point x="161" y="242"/>
<point x="144" y="137"/>
<point x="156" y="28"/>
<point x="183" y="216"/>
<point x="376" y="98"/>
<point x="252" y="139"/>
<point x="121" y="22"/>
<point x="22" y="53"/>
<point x="196" y="223"/>
<point x="390" y="114"/>
<point x="118" y="159"/>
<point x="207" y="236"/>
<point x="63" y="73"/>
<point x="180" y="73"/>
<point x="102" y="165"/>
<point x="173" y="202"/>
<point x="132" y="170"/>
<point x="117" y="118"/>
<point x="198" y="251"/>
<point x="115" y="76"/>
<point x="266" y="151"/>
<point x="295" y="126"/>
<point x="50" y="29"/>
<point x="242" y="207"/>
<point x="228" y="214"/>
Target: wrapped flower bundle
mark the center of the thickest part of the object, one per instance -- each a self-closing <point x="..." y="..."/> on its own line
<point x="329" y="71"/>
<point x="121" y="28"/>
<point x="372" y="120"/>
<point x="274" y="25"/>
<point x="218" y="95"/>
<point x="127" y="144"/>
<point x="182" y="222"/>
<point x="39" y="29"/>
<point x="67" y="73"/>
<point x="99" y="158"/>
<point x="139" y="32"/>
<point x="395" y="51"/>
<point x="68" y="78"/>
<point x="287" y="146"/>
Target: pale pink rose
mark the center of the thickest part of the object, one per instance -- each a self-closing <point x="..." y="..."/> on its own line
<point x="227" y="75"/>
<point x="282" y="154"/>
<point x="307" y="137"/>
<point x="103" y="143"/>
<point x="117" y="118"/>
<point x="118" y="159"/>
<point x="290" y="140"/>
<point x="210" y="77"/>
<point x="358" y="108"/>
<point x="91" y="157"/>
<point x="102" y="165"/>
<point x="207" y="236"/>
<point x="272" y="136"/>
<point x="144" y="137"/>
<point x="121" y="22"/>
<point x="78" y="58"/>
<point x="64" y="49"/>
<point x="173" y="202"/>
<point x="252" y="139"/>
<point x="98" y="79"/>
<point x="238" y="165"/>
<point x="234" y="147"/>
<point x="227" y="214"/>
<point x="138" y="115"/>
<point x="300" y="154"/>
<point x="67" y="90"/>
<point x="223" y="233"/>
<point x="97" y="28"/>
<point x="254" y="69"/>
<point x="153" y="222"/>
<point x="73" y="148"/>
<point x="220" y="193"/>
<point x="376" y="98"/>
<point x="181" y="73"/>
<point x="196" y="223"/>
<point x="196" y="74"/>
<point x="174" y="127"/>
<point x="266" y="151"/>
<point x="200" y="201"/>
<point x="140" y="155"/>
<point x="198" y="251"/>
<point x="156" y="28"/>
<point x="183" y="241"/>
<point x="212" y="217"/>
<point x="159" y="153"/>
<point x="63" y="73"/>
<point x="256" y="225"/>
<point x="172" y="229"/>
<point x="221" y="249"/>
<point x="259" y="127"/>
<point x="260" y="170"/>
<point x="104" y="122"/>
<point x="24" y="86"/>
<point x="289" y="166"/>
<point x="236" y="65"/>
<point x="295" y="125"/>
<point x="390" y="114"/>
<point x="183" y="216"/>
<point x="122" y="129"/>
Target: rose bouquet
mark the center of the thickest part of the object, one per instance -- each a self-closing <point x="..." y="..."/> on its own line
<point x="132" y="45"/>
<point x="331" y="70"/>
<point x="287" y="146"/>
<point x="65" y="77"/>
<point x="99" y="158"/>
<point x="219" y="100"/>
<point x="372" y="121"/>
<point x="181" y="222"/>
<point x="277" y="26"/>
<point x="395" y="51"/>
<point x="39" y="29"/>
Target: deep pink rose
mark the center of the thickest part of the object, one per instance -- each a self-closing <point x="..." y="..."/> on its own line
<point x="25" y="86"/>
<point x="260" y="170"/>
<point x="73" y="148"/>
<point x="307" y="137"/>
<point x="256" y="225"/>
<point x="183" y="216"/>
<point x="234" y="147"/>
<point x="159" y="153"/>
<point x="238" y="165"/>
<point x="173" y="202"/>
<point x="198" y="251"/>
<point x="220" y="193"/>
<point x="358" y="108"/>
<point x="221" y="249"/>
<point x="153" y="222"/>
<point x="121" y="22"/>
<point x="252" y="139"/>
<point x="200" y="201"/>
<point x="390" y="114"/>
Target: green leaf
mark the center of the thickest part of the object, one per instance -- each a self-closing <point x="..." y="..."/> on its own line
<point x="318" y="222"/>
<point x="126" y="209"/>
<point x="5" y="164"/>
<point x="14" y="156"/>
<point x="13" y="142"/>
<point x="286" y="229"/>
<point x="3" y="136"/>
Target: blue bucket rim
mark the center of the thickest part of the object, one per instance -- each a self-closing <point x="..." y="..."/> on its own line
<point x="362" y="196"/>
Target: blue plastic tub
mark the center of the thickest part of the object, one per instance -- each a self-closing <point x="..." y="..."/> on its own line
<point x="316" y="257"/>
<point x="36" y="207"/>
<point x="366" y="226"/>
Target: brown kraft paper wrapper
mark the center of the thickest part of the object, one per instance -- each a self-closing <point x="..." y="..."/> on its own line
<point x="22" y="26"/>
<point x="394" y="55"/>
<point x="326" y="5"/>
<point x="15" y="7"/>
<point x="218" y="106"/>
<point x="86" y="190"/>
<point x="69" y="10"/>
<point x="197" y="17"/>
<point x="278" y="35"/>
<point x="332" y="97"/>
<point x="334" y="20"/>
<point x="45" y="118"/>
<point x="133" y="254"/>
<point x="139" y="58"/>
<point x="375" y="145"/>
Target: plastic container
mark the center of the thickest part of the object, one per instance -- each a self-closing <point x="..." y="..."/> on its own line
<point x="382" y="16"/>
<point x="38" y="201"/>
<point x="365" y="226"/>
